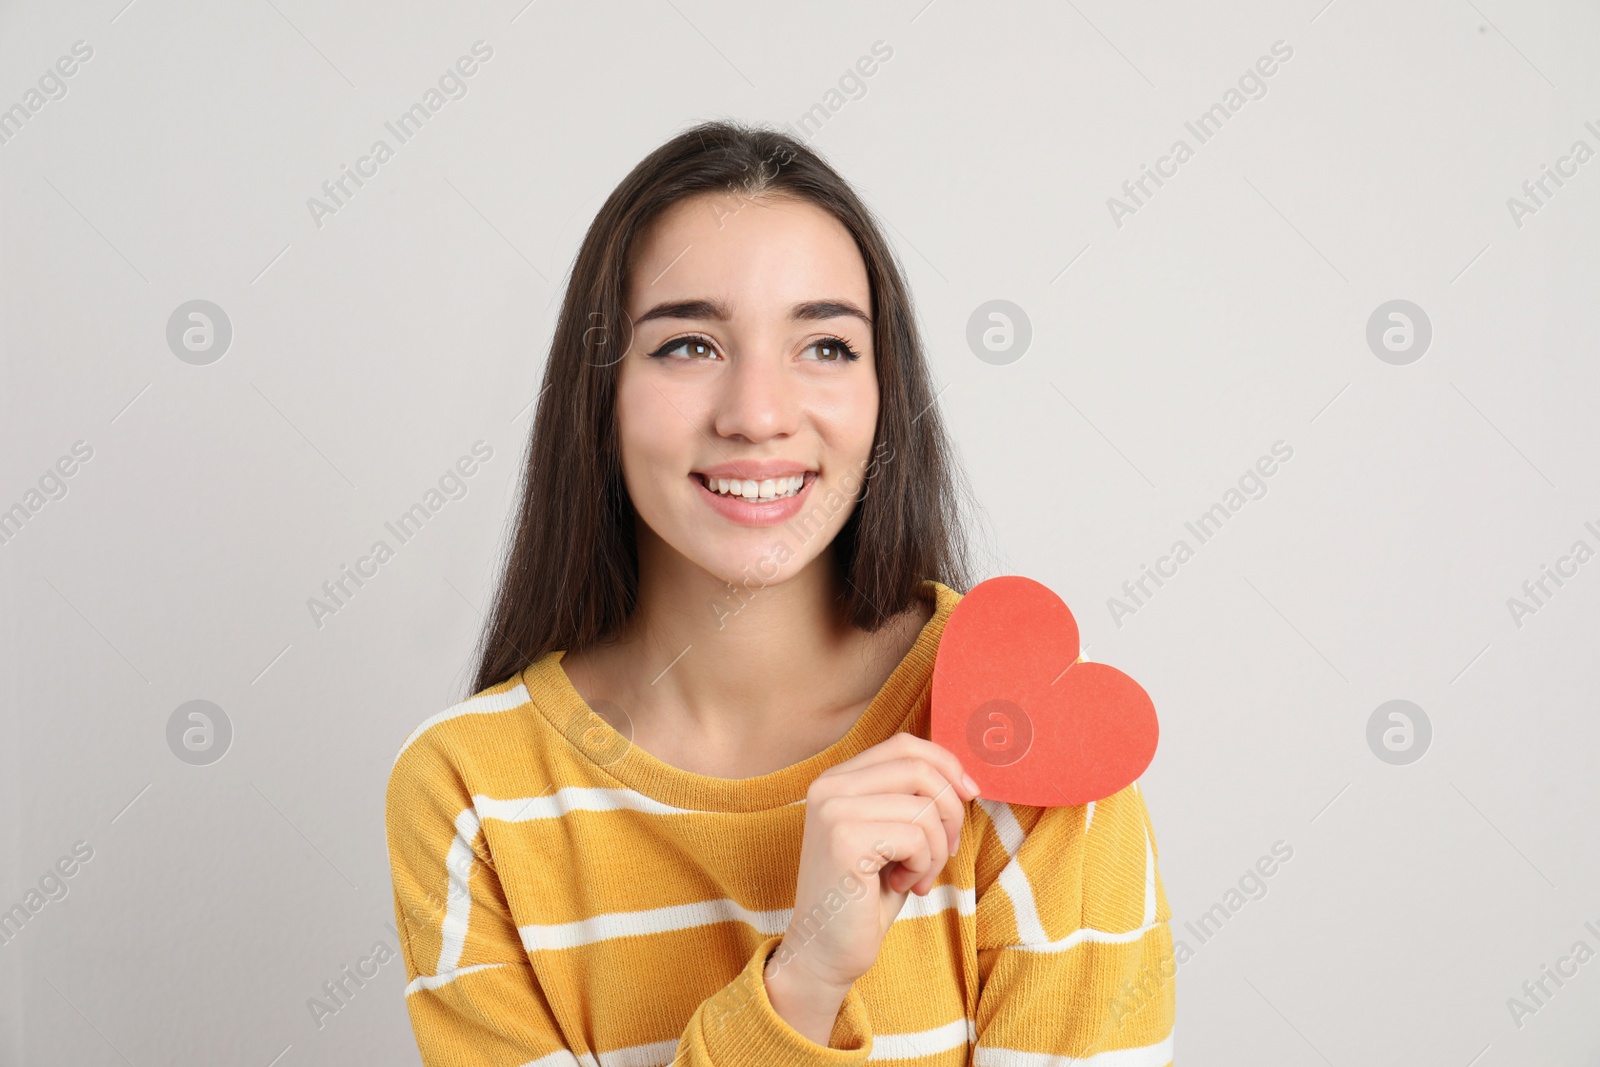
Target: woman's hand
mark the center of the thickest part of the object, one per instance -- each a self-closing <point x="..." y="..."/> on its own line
<point x="879" y="826"/>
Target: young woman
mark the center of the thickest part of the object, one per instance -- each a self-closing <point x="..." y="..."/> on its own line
<point x="692" y="815"/>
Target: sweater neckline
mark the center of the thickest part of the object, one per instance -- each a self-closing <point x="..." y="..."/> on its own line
<point x="552" y="693"/>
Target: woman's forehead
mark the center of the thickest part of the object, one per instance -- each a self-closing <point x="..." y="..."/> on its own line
<point x="765" y="258"/>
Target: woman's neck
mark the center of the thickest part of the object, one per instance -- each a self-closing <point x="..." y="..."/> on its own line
<point x="767" y="671"/>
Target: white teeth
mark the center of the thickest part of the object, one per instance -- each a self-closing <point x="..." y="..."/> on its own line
<point x="749" y="489"/>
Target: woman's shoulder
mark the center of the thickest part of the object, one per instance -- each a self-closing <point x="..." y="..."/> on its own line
<point x="466" y="739"/>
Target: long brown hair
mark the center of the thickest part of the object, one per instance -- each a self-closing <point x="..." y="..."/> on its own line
<point x="570" y="574"/>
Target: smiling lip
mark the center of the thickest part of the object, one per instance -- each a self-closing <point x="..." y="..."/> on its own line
<point x="757" y="513"/>
<point x="755" y="469"/>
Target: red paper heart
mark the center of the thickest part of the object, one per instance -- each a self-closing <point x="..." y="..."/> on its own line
<point x="1028" y="722"/>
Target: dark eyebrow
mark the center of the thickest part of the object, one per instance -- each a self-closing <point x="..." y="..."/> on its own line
<point x="809" y="311"/>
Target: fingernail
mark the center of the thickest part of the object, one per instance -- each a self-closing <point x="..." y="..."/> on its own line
<point x="972" y="787"/>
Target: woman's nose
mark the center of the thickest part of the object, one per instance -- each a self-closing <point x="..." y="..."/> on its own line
<point x="758" y="399"/>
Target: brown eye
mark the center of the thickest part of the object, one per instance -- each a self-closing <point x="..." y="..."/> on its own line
<point x="834" y="350"/>
<point x="697" y="347"/>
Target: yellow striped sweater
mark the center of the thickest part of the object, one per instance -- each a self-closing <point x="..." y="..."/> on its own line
<point x="565" y="898"/>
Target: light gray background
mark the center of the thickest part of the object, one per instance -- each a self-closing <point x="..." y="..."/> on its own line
<point x="1167" y="355"/>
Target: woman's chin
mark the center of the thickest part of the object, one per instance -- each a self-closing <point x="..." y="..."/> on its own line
<point x="748" y="559"/>
<point x="753" y="567"/>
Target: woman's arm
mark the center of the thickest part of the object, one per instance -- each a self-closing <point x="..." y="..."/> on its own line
<point x="1074" y="943"/>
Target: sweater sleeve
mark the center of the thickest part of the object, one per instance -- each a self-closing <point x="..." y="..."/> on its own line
<point x="1074" y="941"/>
<point x="472" y="993"/>
<point x="737" y="1026"/>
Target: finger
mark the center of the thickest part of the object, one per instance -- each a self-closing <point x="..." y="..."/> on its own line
<point x="905" y="744"/>
<point x="905" y="848"/>
<point x="901" y="879"/>
<point x="914" y="850"/>
<point x="947" y="762"/>
<point x="905" y="880"/>
<point x="907" y="775"/>
<point x="897" y="808"/>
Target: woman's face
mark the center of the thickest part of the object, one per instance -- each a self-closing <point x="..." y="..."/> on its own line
<point x="735" y="377"/>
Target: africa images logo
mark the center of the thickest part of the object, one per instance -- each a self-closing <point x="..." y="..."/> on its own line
<point x="337" y="192"/>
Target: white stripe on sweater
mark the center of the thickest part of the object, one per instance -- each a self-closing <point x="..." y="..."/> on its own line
<point x="962" y="1032"/>
<point x="555" y="936"/>
<point x="1012" y="878"/>
<point x="940" y="898"/>
<point x="434" y="981"/>
<point x="957" y="1034"/>
<point x="459" y="861"/>
<point x="1019" y="889"/>
<point x="458" y="899"/>
<point x="1088" y="933"/>
<point x="676" y="917"/>
<point x="484" y="704"/>
<point x="574" y="798"/>
<point x="1005" y="823"/>
<point x="560" y="1058"/>
<point x="654" y="1054"/>
<point x="459" y="865"/>
<point x="884" y="1047"/>
<point x="1156" y="1055"/>
<point x="921" y="1043"/>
